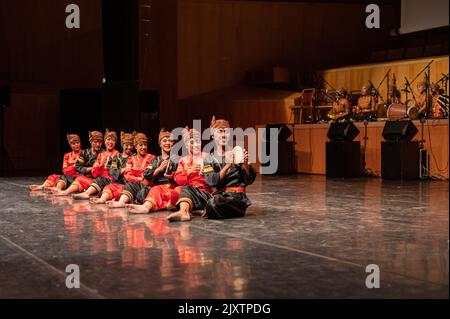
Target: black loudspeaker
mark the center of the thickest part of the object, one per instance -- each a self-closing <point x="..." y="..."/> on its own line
<point x="5" y="95"/>
<point x="286" y="158"/>
<point x="345" y="131"/>
<point x="400" y="160"/>
<point x="396" y="131"/>
<point x="343" y="159"/>
<point x="283" y="132"/>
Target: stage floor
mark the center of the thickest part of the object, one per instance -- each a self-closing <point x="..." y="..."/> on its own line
<point x="304" y="237"/>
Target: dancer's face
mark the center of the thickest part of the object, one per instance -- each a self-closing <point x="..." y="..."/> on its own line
<point x="141" y="148"/>
<point x="75" y="146"/>
<point x="96" y="145"/>
<point x="128" y="148"/>
<point x="110" y="143"/>
<point x="166" y="144"/>
<point x="194" y="147"/>
<point x="221" y="136"/>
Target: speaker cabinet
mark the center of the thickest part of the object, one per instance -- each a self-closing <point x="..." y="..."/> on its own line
<point x="400" y="160"/>
<point x="395" y="131"/>
<point x="286" y="158"/>
<point x="343" y="159"/>
<point x="283" y="132"/>
<point x="345" y="131"/>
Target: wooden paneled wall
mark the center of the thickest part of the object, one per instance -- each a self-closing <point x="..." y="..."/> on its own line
<point x="242" y="106"/>
<point x="353" y="77"/>
<point x="32" y="130"/>
<point x="36" y="47"/>
<point x="219" y="40"/>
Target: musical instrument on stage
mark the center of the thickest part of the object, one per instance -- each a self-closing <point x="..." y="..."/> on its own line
<point x="440" y="106"/>
<point x="412" y="110"/>
<point x="397" y="111"/>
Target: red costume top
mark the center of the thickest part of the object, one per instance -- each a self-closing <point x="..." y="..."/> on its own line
<point x="197" y="180"/>
<point x="69" y="163"/>
<point x="134" y="171"/>
<point x="103" y="164"/>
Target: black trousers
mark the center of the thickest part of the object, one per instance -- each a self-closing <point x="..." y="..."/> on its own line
<point x="67" y="179"/>
<point x="136" y="192"/>
<point x="227" y="205"/>
<point x="221" y="206"/>
<point x="196" y="198"/>
<point x="100" y="183"/>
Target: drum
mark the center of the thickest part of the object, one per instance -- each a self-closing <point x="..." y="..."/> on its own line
<point x="396" y="111"/>
<point x="413" y="111"/>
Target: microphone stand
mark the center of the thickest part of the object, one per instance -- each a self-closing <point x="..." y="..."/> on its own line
<point x="408" y="89"/>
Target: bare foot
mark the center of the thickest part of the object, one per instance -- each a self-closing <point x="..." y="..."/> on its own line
<point x="80" y="196"/>
<point x="36" y="187"/>
<point x="96" y="200"/>
<point x="58" y="192"/>
<point x="52" y="190"/>
<point x="137" y="209"/>
<point x="179" y="217"/>
<point x="114" y="204"/>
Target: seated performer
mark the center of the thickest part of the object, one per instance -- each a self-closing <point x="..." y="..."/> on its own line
<point x="195" y="192"/>
<point x="227" y="178"/>
<point x="113" y="190"/>
<point x="366" y="102"/>
<point x="436" y="95"/>
<point x="68" y="168"/>
<point x="84" y="165"/>
<point x="421" y="100"/>
<point x="164" y="192"/>
<point x="341" y="107"/>
<point x="100" y="170"/>
<point x="134" y="173"/>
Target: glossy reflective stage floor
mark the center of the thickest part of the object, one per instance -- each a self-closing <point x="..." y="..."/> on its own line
<point x="304" y="237"/>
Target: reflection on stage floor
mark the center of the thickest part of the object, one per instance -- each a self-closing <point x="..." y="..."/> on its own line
<point x="303" y="237"/>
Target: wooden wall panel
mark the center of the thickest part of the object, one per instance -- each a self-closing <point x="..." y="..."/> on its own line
<point x="353" y="77"/>
<point x="37" y="47"/>
<point x="32" y="131"/>
<point x="219" y="40"/>
<point x="242" y="106"/>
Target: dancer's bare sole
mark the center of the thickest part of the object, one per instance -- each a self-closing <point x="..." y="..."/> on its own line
<point x="115" y="204"/>
<point x="96" y="200"/>
<point x="137" y="209"/>
<point x="80" y="196"/>
<point x="179" y="217"/>
<point x="36" y="187"/>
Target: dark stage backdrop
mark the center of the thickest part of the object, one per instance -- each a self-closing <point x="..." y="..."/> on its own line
<point x="36" y="46"/>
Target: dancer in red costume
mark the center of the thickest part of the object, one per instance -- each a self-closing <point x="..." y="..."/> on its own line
<point x="84" y="165"/>
<point x="68" y="167"/>
<point x="164" y="192"/>
<point x="101" y="168"/>
<point x="189" y="175"/>
<point x="134" y="172"/>
<point x="113" y="190"/>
